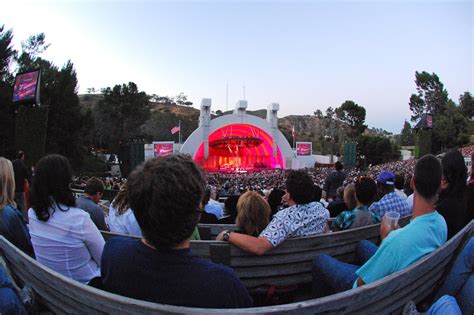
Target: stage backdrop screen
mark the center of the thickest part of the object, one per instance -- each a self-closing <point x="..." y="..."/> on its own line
<point x="304" y="148"/>
<point x="163" y="148"/>
<point x="26" y="88"/>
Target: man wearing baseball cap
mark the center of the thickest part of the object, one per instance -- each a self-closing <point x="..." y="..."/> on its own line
<point x="389" y="201"/>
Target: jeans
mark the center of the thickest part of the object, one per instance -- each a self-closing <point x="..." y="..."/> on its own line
<point x="9" y="300"/>
<point x="460" y="281"/>
<point x="332" y="276"/>
<point x="445" y="305"/>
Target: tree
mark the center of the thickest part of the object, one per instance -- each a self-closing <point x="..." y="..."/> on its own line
<point x="406" y="136"/>
<point x="354" y="115"/>
<point x="120" y="114"/>
<point x="431" y="95"/>
<point x="318" y="113"/>
<point x="466" y="104"/>
<point x="182" y="99"/>
<point x="7" y="118"/>
<point x="449" y="128"/>
<point x="377" y="149"/>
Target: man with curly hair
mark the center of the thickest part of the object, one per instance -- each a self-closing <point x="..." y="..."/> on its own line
<point x="165" y="195"/>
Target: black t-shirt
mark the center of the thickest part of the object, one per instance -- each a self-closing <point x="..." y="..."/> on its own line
<point x="21" y="173"/>
<point x="175" y="277"/>
<point x="453" y="209"/>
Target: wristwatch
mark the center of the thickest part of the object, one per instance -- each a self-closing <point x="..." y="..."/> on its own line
<point x="226" y="235"/>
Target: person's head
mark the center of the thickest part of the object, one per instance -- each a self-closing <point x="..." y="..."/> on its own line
<point x="365" y="190"/>
<point x="206" y="197"/>
<point x="349" y="196"/>
<point x="20" y="155"/>
<point x="120" y="202"/>
<point x="299" y="187"/>
<point x="427" y="178"/>
<point x="399" y="181"/>
<point x="317" y="194"/>
<point x="94" y="189"/>
<point x="385" y="183"/>
<point x="253" y="213"/>
<point x="7" y="183"/>
<point x="454" y="173"/>
<point x="338" y="166"/>
<point x="274" y="199"/>
<point x="230" y="205"/>
<point x="407" y="187"/>
<point x="165" y="195"/>
<point x="51" y="184"/>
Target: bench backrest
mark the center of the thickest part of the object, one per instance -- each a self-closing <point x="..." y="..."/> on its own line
<point x="63" y="295"/>
<point x="290" y="263"/>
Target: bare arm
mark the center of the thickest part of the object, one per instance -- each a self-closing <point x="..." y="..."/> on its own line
<point x="251" y="244"/>
<point x="360" y="282"/>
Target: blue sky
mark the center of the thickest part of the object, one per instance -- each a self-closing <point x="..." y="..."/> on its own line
<point x="303" y="55"/>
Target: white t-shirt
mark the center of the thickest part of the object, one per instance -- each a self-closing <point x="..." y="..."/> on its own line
<point x="125" y="223"/>
<point x="69" y="242"/>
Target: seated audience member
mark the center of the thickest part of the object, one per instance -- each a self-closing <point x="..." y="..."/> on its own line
<point x="389" y="200"/>
<point x="399" y="248"/>
<point x="253" y="213"/>
<point x="121" y="218"/>
<point x="407" y="186"/>
<point x="399" y="183"/>
<point x="230" y="210"/>
<point x="301" y="218"/>
<point x="207" y="217"/>
<point x="166" y="194"/>
<point x="89" y="202"/>
<point x="456" y="294"/>
<point x="10" y="301"/>
<point x="349" y="197"/>
<point x="317" y="194"/>
<point x="214" y="206"/>
<point x="12" y="223"/>
<point x="274" y="200"/>
<point x="337" y="205"/>
<point x="334" y="180"/>
<point x="64" y="237"/>
<point x="451" y="203"/>
<point x="365" y="191"/>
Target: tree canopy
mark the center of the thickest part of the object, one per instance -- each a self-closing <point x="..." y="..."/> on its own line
<point x="354" y="115"/>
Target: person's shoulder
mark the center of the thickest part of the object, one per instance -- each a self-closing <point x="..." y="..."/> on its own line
<point x="120" y="244"/>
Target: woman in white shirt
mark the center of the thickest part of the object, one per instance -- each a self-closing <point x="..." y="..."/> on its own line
<point x="64" y="237"/>
<point x="121" y="218"/>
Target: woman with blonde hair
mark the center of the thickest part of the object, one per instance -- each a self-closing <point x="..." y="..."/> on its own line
<point x="121" y="218"/>
<point x="12" y="224"/>
<point x="253" y="213"/>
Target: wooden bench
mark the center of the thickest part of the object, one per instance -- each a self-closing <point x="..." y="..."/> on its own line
<point x="388" y="295"/>
<point x="290" y="263"/>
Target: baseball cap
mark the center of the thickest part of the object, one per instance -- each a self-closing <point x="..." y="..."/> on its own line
<point x="386" y="178"/>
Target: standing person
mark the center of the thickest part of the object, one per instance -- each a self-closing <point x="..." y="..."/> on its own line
<point x="165" y="195"/>
<point x="93" y="192"/>
<point x="400" y="247"/>
<point x="451" y="203"/>
<point x="64" y="237"/>
<point x="301" y="218"/>
<point x="12" y="223"/>
<point x="334" y="181"/>
<point x="21" y="174"/>
<point x="389" y="200"/>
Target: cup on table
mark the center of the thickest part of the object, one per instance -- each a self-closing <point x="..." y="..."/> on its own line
<point x="391" y="219"/>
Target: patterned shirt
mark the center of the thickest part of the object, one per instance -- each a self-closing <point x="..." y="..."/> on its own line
<point x="391" y="202"/>
<point x="298" y="220"/>
<point x="345" y="219"/>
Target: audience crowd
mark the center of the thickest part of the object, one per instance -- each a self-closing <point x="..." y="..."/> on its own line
<point x="163" y="200"/>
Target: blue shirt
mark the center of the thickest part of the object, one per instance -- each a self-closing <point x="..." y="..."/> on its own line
<point x="175" y="277"/>
<point x="391" y="202"/>
<point x="405" y="246"/>
<point x="13" y="228"/>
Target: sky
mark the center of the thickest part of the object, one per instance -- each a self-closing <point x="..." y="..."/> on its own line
<point x="303" y="55"/>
